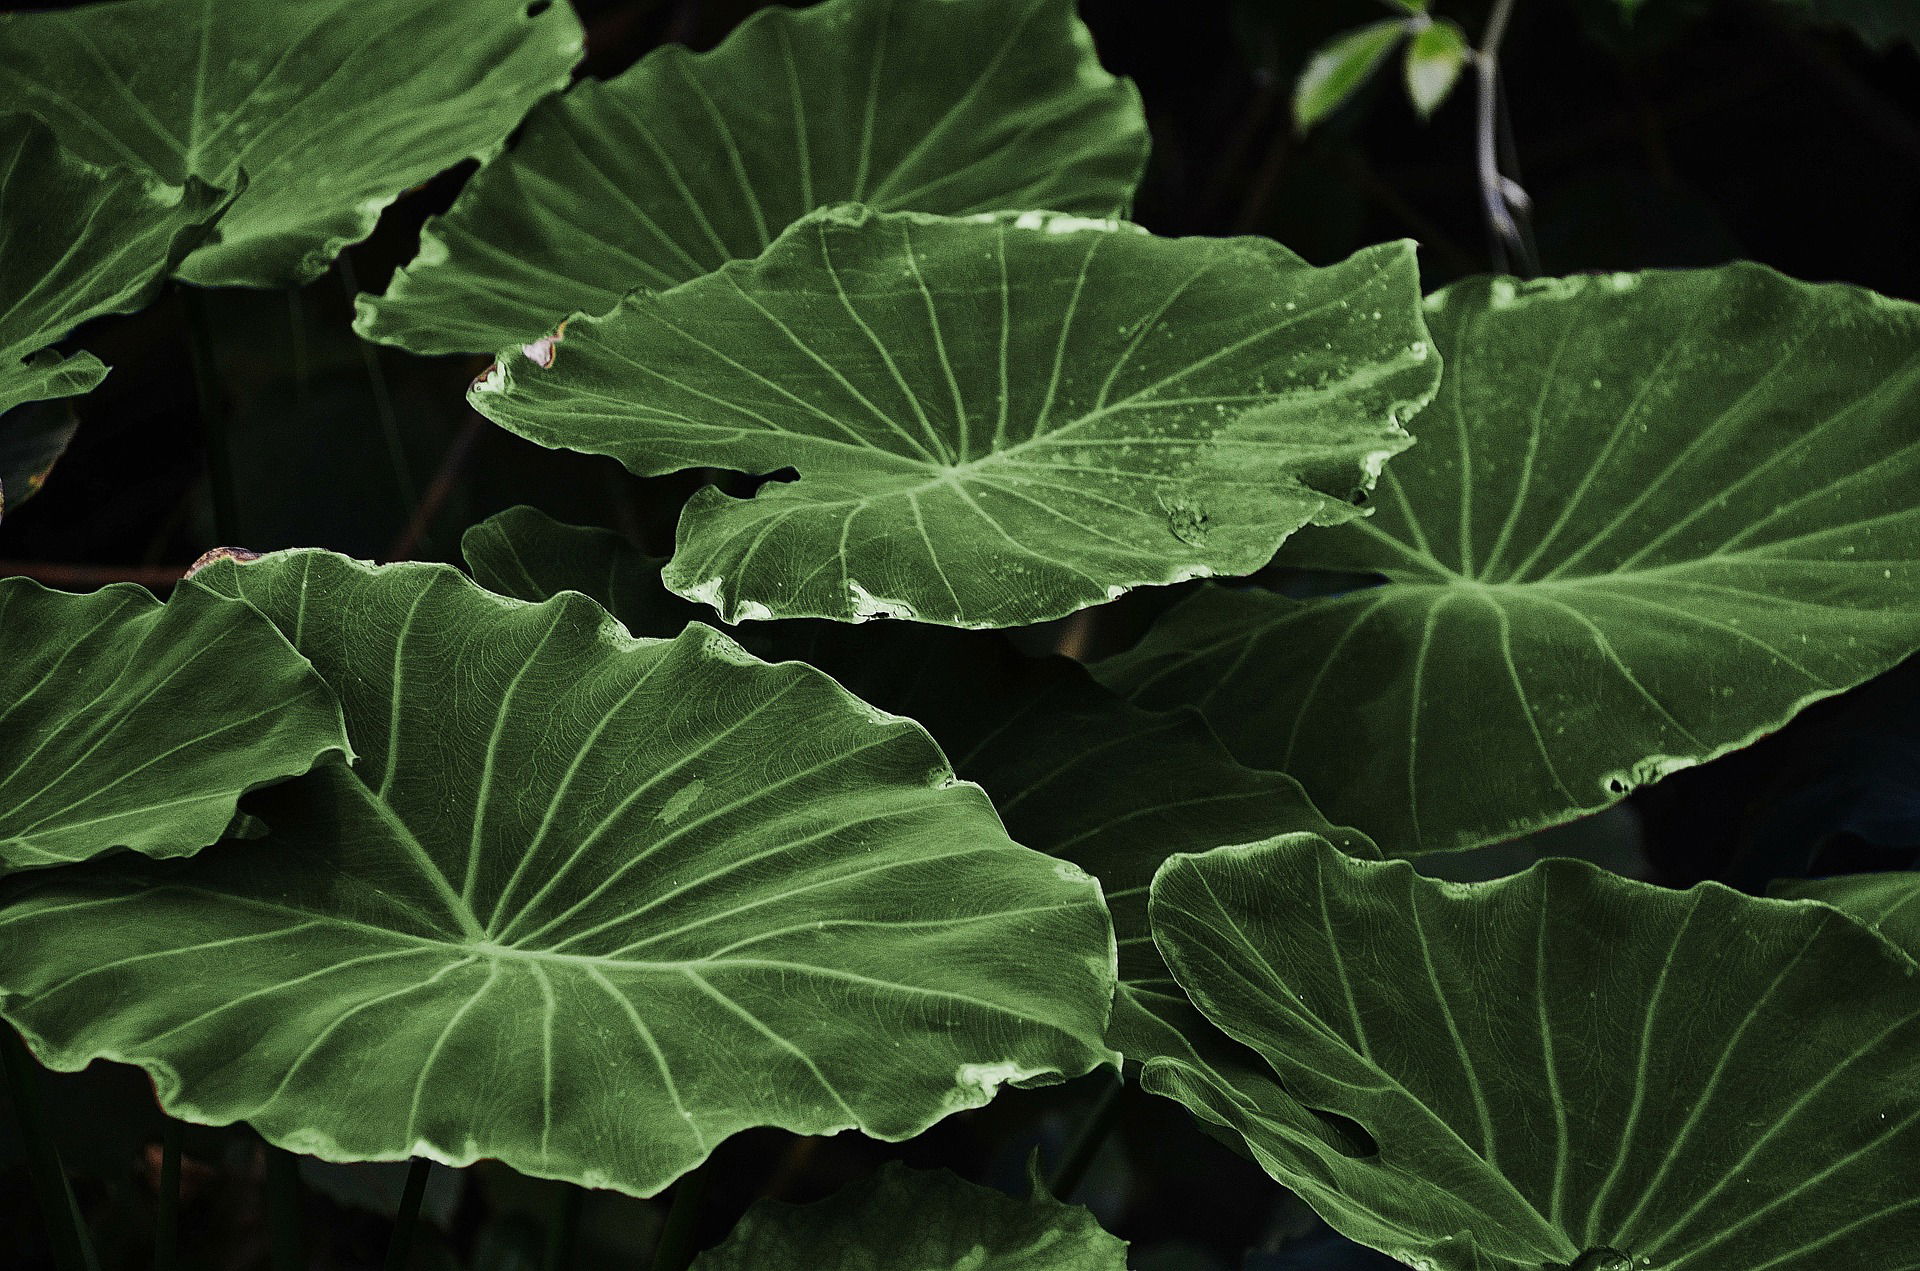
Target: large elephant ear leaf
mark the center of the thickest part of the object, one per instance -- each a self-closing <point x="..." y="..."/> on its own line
<point x="125" y="723"/>
<point x="326" y="110"/>
<point x="927" y="1220"/>
<point x="1887" y="902"/>
<point x="81" y="240"/>
<point x="1650" y="517"/>
<point x="586" y="905"/>
<point x="1562" y="1069"/>
<point x="690" y="160"/>
<point x="995" y="420"/>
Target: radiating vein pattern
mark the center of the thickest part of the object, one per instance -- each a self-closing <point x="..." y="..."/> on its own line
<point x="125" y="723"/>
<point x="325" y="110"/>
<point x="929" y="1220"/>
<point x="78" y="240"/>
<point x="1649" y="517"/>
<point x="688" y="160"/>
<point x="995" y="420"/>
<point x="585" y="904"/>
<point x="1555" y="1064"/>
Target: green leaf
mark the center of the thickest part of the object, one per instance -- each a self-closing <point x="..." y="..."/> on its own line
<point x="994" y="421"/>
<point x="688" y="160"/>
<point x="1434" y="59"/>
<point x="32" y="438"/>
<point x="586" y="905"/>
<point x="924" y="1220"/>
<point x="1889" y="902"/>
<point x="128" y="723"/>
<point x="1073" y="770"/>
<point x="1558" y="1069"/>
<point x="81" y="240"/>
<point x="1648" y="519"/>
<point x="1342" y="67"/>
<point x="326" y="109"/>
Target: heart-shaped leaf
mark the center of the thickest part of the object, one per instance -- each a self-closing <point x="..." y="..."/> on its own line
<point x="1648" y="519"/>
<point x="1562" y="1069"/>
<point x="995" y="420"/>
<point x="81" y="240"/>
<point x="128" y="723"/>
<point x="326" y="109"/>
<point x="926" y="1220"/>
<point x="586" y="905"/>
<point x="690" y="160"/>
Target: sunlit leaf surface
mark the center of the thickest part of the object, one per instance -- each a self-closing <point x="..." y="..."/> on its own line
<point x="690" y="160"/>
<point x="586" y="905"/>
<point x="127" y="723"/>
<point x="1649" y="518"/>
<point x="326" y="110"/>
<point x="994" y="420"/>
<point x="1558" y="1069"/>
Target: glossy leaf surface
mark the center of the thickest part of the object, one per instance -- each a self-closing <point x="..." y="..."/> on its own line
<point x="1558" y="1069"/>
<point x="1648" y="519"/>
<point x="80" y="240"/>
<point x="923" y="1220"/>
<point x="690" y="160"/>
<point x="585" y="905"/>
<point x="128" y="723"/>
<point x="994" y="421"/>
<point x="326" y="110"/>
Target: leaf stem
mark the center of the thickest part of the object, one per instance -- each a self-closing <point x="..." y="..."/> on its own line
<point x="1066" y="1177"/>
<point x="71" y="1249"/>
<point x="564" y="1233"/>
<point x="1501" y="198"/>
<point x="285" y="1239"/>
<point x="166" y="1227"/>
<point x="400" y="1249"/>
<point x="382" y="397"/>
<point x="675" y="1249"/>
<point x="211" y="392"/>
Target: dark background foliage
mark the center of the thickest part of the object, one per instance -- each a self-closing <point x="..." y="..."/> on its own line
<point x="1707" y="130"/>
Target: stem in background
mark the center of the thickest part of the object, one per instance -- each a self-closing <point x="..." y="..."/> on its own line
<point x="72" y="1251"/>
<point x="207" y="386"/>
<point x="285" y="1239"/>
<point x="382" y="398"/>
<point x="400" y="1250"/>
<point x="675" y="1249"/>
<point x="438" y="490"/>
<point x="166" y="1227"/>
<point x="564" y="1234"/>
<point x="1501" y="199"/>
<point x="1066" y="1177"/>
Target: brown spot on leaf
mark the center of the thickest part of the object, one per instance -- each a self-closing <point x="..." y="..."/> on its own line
<point x="208" y="557"/>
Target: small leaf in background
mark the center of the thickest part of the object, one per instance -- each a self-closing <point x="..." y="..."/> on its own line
<point x="587" y="905"/>
<point x="926" y="1220"/>
<point x="995" y="420"/>
<point x="687" y="160"/>
<point x="125" y="723"/>
<point x="1558" y="1069"/>
<point x="81" y="240"/>
<point x="1434" y="60"/>
<point x="1339" y="70"/>
<point x="325" y="110"/>
<point x="1649" y="518"/>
